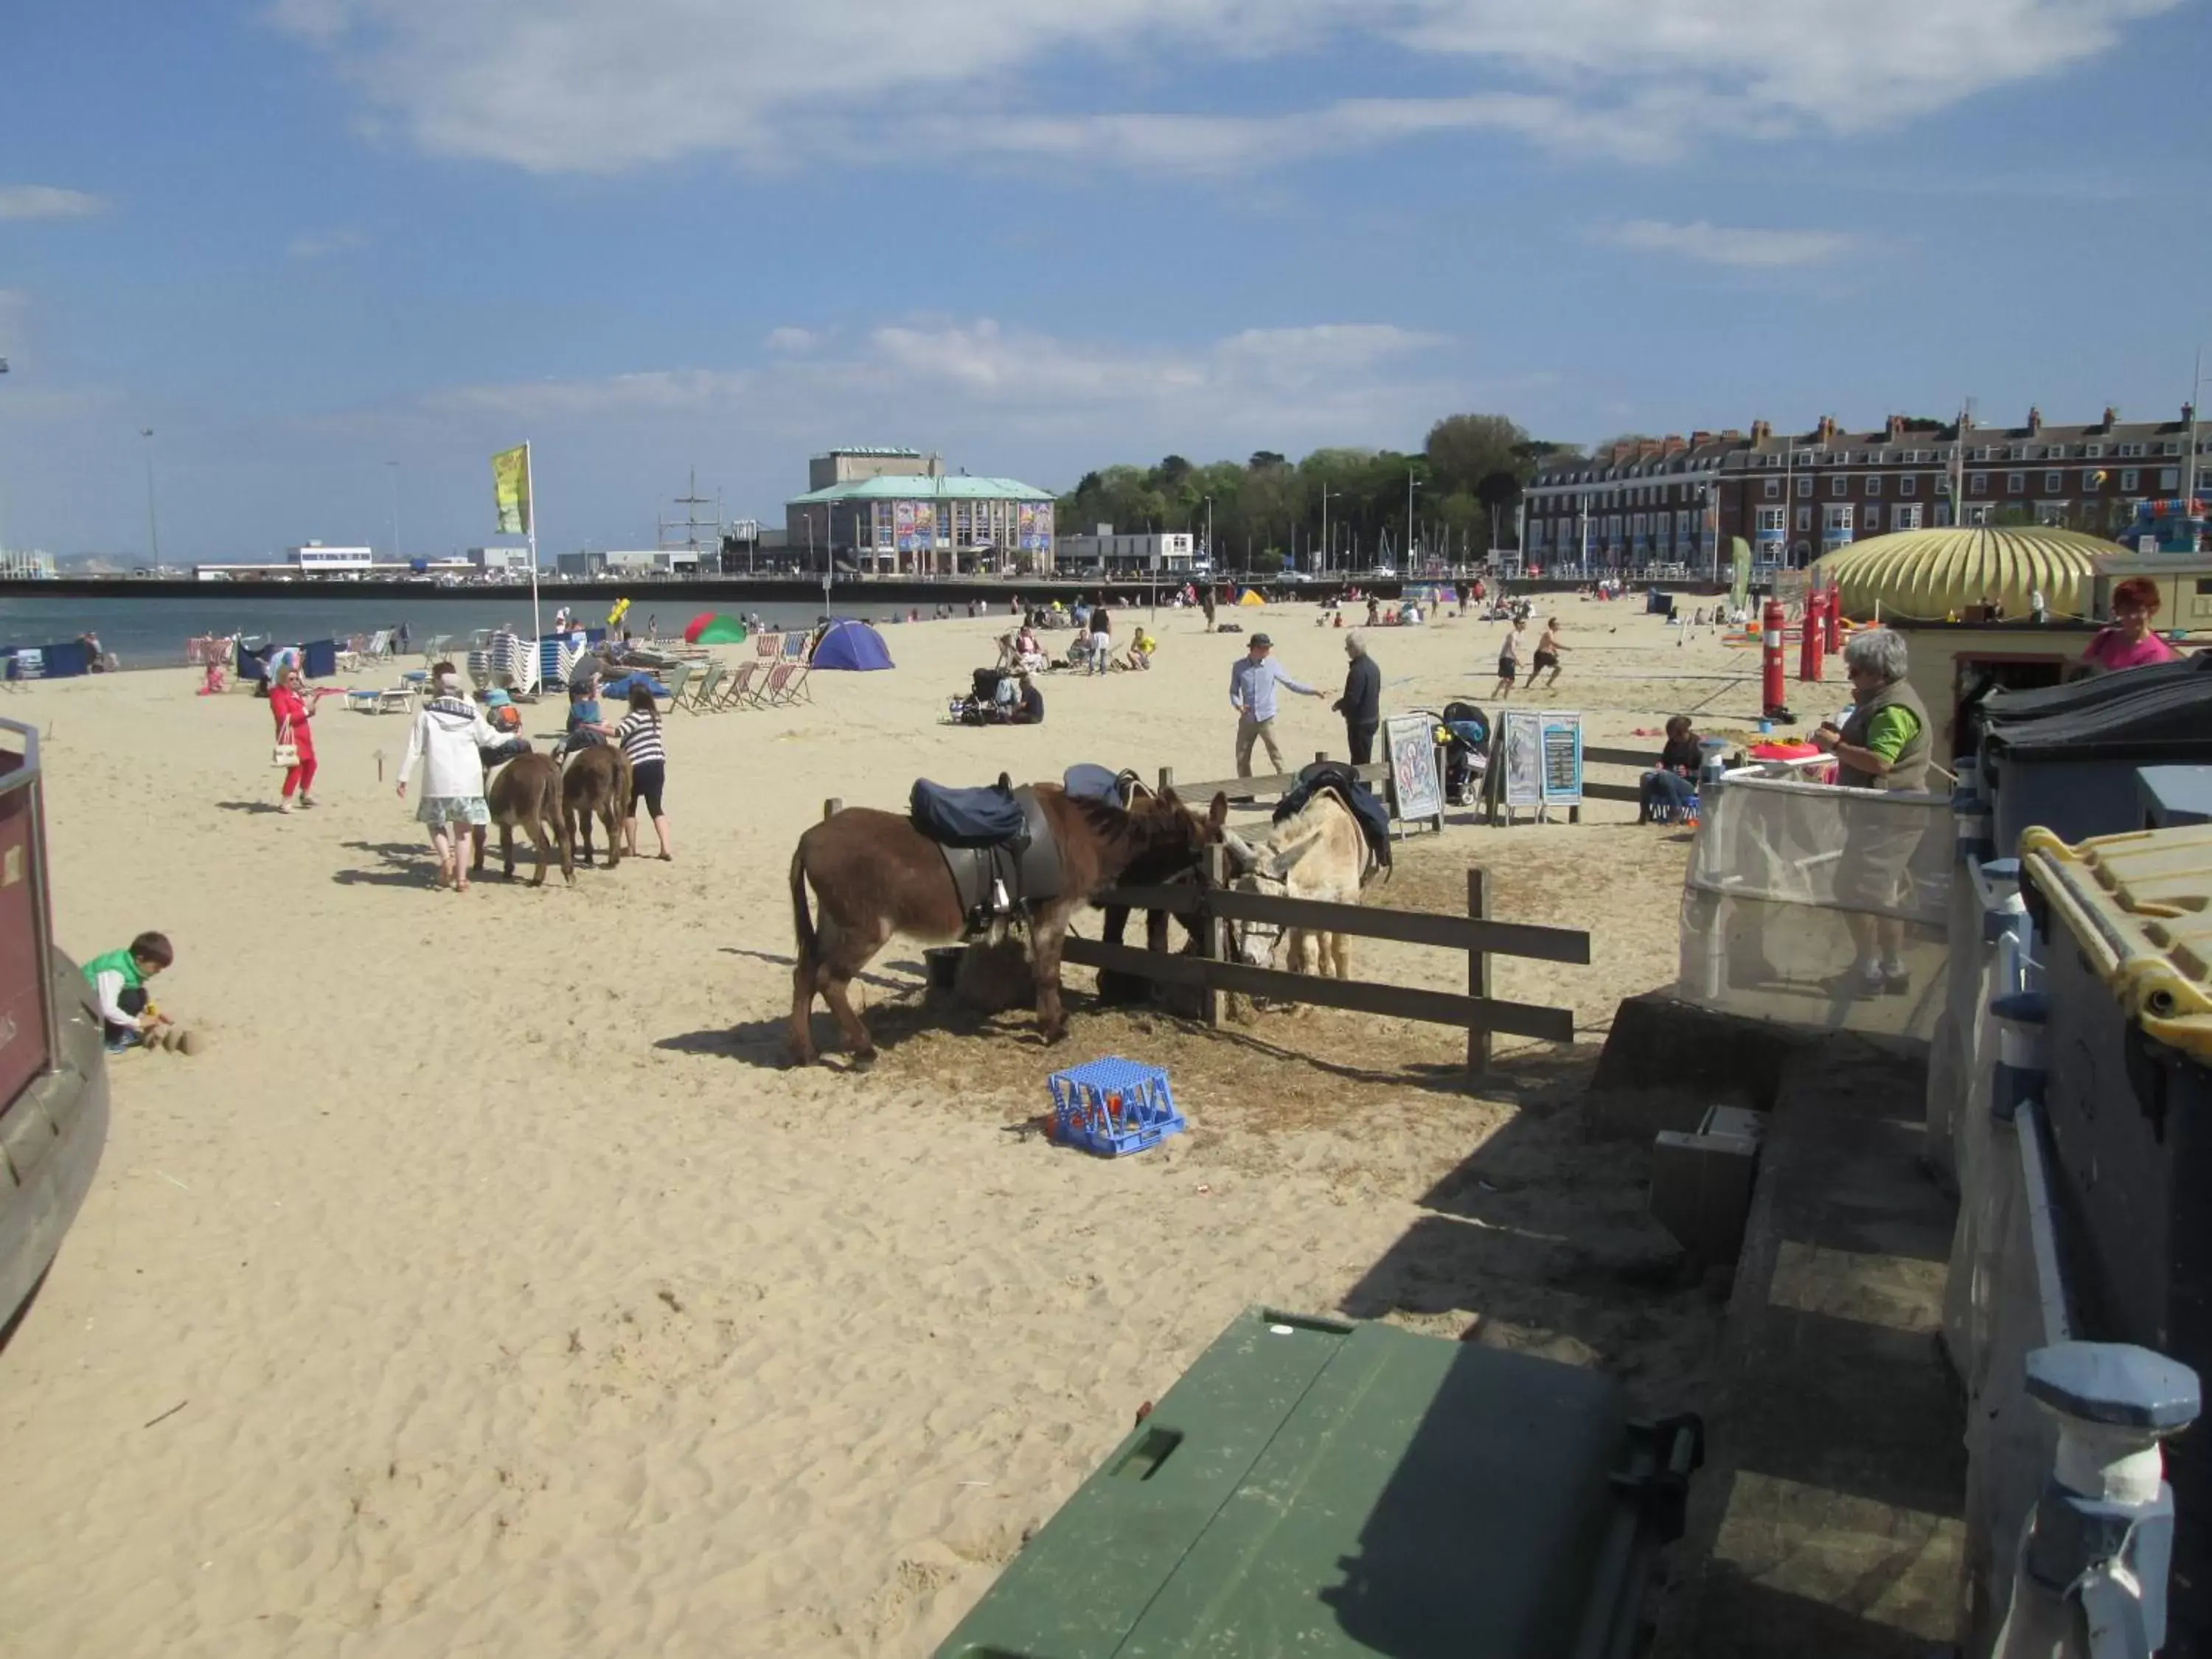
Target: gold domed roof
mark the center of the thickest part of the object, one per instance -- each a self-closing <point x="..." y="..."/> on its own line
<point x="1927" y="574"/>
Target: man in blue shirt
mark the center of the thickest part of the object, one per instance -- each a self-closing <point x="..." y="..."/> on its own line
<point x="1252" y="685"/>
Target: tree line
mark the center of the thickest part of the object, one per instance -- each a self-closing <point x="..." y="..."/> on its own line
<point x="1267" y="511"/>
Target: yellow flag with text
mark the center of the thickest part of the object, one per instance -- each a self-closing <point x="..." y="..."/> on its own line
<point x="510" y="489"/>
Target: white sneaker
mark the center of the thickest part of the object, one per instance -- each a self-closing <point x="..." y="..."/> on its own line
<point x="284" y="806"/>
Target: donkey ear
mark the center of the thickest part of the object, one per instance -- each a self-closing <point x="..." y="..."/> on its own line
<point x="1218" y="814"/>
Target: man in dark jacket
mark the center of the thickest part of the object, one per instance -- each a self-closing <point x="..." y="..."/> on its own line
<point x="1361" y="705"/>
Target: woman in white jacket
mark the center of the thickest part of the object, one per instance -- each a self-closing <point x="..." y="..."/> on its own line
<point x="448" y="737"/>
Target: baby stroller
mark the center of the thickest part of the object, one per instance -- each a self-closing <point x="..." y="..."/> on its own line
<point x="1463" y="733"/>
<point x="990" y="702"/>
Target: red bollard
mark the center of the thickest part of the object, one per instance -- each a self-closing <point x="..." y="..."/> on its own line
<point x="1770" y="631"/>
<point x="1835" y="640"/>
<point x="1809" y="637"/>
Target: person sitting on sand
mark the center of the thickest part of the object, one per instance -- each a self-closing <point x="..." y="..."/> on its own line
<point x="119" y="981"/>
<point x="1028" y="706"/>
<point x="1141" y="649"/>
<point x="1667" y="789"/>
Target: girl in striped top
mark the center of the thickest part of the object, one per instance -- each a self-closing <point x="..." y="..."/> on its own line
<point x="639" y="736"/>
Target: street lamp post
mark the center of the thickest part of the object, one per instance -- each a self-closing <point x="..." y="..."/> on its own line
<point x="1209" y="529"/>
<point x="1321" y="566"/>
<point x="1412" y="484"/>
<point x="394" y="471"/>
<point x="153" y="521"/>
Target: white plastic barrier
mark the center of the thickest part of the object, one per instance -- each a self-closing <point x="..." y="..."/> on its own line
<point x="1790" y="886"/>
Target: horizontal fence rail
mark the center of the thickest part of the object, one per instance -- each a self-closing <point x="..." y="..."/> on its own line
<point x="1247" y="789"/>
<point x="1209" y="908"/>
<point x="1600" y="790"/>
<point x="1359" y="996"/>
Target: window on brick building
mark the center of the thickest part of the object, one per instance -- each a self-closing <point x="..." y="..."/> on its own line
<point x="1979" y="484"/>
<point x="2015" y="482"/>
<point x="1903" y="516"/>
<point x="1908" y="485"/>
<point x="1873" y="486"/>
<point x="2129" y="478"/>
<point x="1773" y="489"/>
<point x="1874" y="515"/>
<point x="1804" y="484"/>
<point x="2053" y="482"/>
<point x="1839" y="485"/>
<point x="1804" y="518"/>
<point x="2169" y="477"/>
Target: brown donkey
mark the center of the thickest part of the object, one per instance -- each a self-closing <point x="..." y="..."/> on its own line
<point x="527" y="793"/>
<point x="874" y="875"/>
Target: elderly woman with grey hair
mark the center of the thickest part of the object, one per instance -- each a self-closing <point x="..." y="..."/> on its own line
<point x="1361" y="705"/>
<point x="1885" y="742"/>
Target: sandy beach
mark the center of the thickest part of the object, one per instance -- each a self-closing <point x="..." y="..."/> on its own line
<point x="488" y="1287"/>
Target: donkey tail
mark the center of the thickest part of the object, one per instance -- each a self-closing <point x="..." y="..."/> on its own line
<point x="802" y="920"/>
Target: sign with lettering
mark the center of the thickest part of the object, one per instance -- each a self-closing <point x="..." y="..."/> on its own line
<point x="1540" y="759"/>
<point x="1417" y="788"/>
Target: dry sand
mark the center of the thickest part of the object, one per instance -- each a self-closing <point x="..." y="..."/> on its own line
<point x="487" y="1288"/>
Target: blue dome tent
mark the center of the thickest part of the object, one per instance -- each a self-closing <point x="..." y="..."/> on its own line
<point x="856" y="646"/>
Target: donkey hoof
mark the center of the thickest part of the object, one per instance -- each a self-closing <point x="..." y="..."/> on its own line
<point x="863" y="1061"/>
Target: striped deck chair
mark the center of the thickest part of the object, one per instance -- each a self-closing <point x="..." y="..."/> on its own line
<point x="740" y="693"/>
<point x="767" y="645"/>
<point x="703" y="689"/>
<point x="795" y="647"/>
<point x="772" y="689"/>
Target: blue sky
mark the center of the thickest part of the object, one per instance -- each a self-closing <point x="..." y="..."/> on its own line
<point x="300" y="240"/>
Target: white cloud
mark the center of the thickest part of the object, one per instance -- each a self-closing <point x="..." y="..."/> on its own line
<point x="576" y="86"/>
<point x="1327" y="379"/>
<point x="1722" y="245"/>
<point x="791" y="341"/>
<point x="48" y="202"/>
<point x="317" y="243"/>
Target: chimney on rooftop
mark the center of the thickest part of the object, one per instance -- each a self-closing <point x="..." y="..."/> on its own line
<point x="2111" y="418"/>
<point x="1699" y="439"/>
<point x="2034" y="420"/>
<point x="1761" y="431"/>
<point x="1896" y="428"/>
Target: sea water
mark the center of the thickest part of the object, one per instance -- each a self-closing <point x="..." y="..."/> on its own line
<point x="152" y="633"/>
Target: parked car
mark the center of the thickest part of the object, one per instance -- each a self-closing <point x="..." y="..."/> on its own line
<point x="53" y="1065"/>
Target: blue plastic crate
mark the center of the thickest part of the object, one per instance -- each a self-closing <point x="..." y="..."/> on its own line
<point x="1113" y="1107"/>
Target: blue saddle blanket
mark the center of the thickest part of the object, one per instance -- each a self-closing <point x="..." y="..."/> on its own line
<point x="965" y="817"/>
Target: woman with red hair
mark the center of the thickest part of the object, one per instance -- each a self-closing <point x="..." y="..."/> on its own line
<point x="2128" y="642"/>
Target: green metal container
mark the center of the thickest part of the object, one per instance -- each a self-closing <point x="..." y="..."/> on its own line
<point x="1316" y="1488"/>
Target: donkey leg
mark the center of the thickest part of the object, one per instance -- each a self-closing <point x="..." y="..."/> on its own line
<point x="804" y="977"/>
<point x="536" y="831"/>
<point x="1046" y="934"/>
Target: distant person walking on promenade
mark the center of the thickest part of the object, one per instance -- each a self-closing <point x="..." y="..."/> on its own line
<point x="1252" y="685"/>
<point x="1205" y="604"/>
<point x="1361" y="705"/>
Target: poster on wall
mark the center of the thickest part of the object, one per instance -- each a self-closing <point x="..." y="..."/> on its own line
<point x="902" y="527"/>
<point x="925" y="525"/>
<point x="1417" y="789"/>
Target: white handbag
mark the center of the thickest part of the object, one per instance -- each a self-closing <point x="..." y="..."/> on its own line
<point x="286" y="755"/>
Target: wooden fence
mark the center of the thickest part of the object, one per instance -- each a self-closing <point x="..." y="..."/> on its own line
<point x="1274" y="787"/>
<point x="1213" y="908"/>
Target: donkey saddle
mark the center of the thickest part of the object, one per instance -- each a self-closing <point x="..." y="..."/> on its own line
<point x="998" y="845"/>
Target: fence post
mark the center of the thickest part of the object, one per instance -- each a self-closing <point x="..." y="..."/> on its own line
<point x="1167" y="779"/>
<point x="1210" y="937"/>
<point x="1478" y="978"/>
<point x="831" y="807"/>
